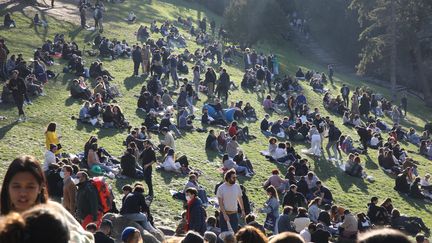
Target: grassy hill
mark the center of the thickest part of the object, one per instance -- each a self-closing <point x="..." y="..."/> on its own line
<point x="58" y="106"/>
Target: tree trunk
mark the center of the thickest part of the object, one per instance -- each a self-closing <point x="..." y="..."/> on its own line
<point x="421" y="74"/>
<point x="393" y="52"/>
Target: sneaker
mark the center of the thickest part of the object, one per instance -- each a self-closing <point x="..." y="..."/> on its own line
<point x="42" y="94"/>
<point x="30" y="103"/>
<point x="248" y="175"/>
<point x="19" y="119"/>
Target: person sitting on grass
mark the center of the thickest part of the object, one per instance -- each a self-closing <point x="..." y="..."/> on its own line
<point x="129" y="165"/>
<point x="275" y="180"/>
<point x="230" y="164"/>
<point x="211" y="142"/>
<point x="8" y="21"/>
<point x="169" y="163"/>
<point x="193" y="183"/>
<point x="242" y="133"/>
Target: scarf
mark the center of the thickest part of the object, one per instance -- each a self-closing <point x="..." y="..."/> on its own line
<point x="188" y="216"/>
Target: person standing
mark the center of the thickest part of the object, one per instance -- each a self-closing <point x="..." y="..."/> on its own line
<point x="87" y="201"/>
<point x="333" y="138"/>
<point x="229" y="196"/>
<point x="19" y="89"/>
<point x="404" y="103"/>
<point x="196" y="78"/>
<point x="146" y="57"/>
<point x="69" y="189"/>
<point x="83" y="18"/>
<point x="210" y="80"/>
<point x="137" y="59"/>
<point x="345" y="94"/>
<point x="330" y="72"/>
<point x="3" y="58"/>
<point x="52" y="3"/>
<point x="148" y="158"/>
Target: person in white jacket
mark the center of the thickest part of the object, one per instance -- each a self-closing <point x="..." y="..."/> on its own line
<point x="50" y="157"/>
<point x="169" y="163"/>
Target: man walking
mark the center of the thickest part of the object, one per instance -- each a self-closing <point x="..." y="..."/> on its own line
<point x="148" y="158"/>
<point x="19" y="89"/>
<point x="229" y="196"/>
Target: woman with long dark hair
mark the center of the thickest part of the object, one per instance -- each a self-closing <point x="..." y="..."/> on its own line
<point x="25" y="186"/>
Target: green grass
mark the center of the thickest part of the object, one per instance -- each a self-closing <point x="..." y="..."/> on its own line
<point x="28" y="137"/>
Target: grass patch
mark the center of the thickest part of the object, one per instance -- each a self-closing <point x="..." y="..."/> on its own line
<point x="28" y="137"/>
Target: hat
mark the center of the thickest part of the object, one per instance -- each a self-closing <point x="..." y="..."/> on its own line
<point x="107" y="222"/>
<point x="127" y="232"/>
<point x="96" y="169"/>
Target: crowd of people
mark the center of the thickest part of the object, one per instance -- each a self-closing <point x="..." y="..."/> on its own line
<point x="69" y="195"/>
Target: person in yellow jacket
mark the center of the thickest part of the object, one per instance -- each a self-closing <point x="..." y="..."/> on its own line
<point x="52" y="138"/>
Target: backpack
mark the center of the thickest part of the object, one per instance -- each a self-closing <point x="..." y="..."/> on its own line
<point x="104" y="193"/>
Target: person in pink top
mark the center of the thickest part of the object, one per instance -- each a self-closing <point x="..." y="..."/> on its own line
<point x="276" y="181"/>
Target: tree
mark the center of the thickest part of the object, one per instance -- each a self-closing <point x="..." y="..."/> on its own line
<point x="393" y="28"/>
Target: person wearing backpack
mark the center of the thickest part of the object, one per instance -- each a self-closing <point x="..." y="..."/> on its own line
<point x="87" y="201"/>
<point x="333" y="137"/>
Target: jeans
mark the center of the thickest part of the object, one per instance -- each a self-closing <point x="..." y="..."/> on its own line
<point x="233" y="219"/>
<point x="174" y="129"/>
<point x="136" y="67"/>
<point x="19" y="102"/>
<point x="141" y="218"/>
<point x="202" y="195"/>
<point x="240" y="169"/>
<point x="148" y="180"/>
<point x="333" y="145"/>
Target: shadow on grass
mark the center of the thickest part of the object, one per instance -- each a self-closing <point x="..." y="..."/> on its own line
<point x="370" y="164"/>
<point x="70" y="101"/>
<point x="416" y="203"/>
<point x="5" y="129"/>
<point x="325" y="170"/>
<point x="109" y="132"/>
<point x="132" y="82"/>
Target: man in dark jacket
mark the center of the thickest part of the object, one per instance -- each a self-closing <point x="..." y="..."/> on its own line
<point x="224" y="84"/>
<point x="293" y="198"/>
<point x="376" y="214"/>
<point x="87" y="200"/>
<point x="195" y="213"/>
<point x="137" y="59"/>
<point x="365" y="137"/>
<point x="136" y="209"/>
<point x="148" y="158"/>
<point x="333" y="138"/>
<point x="210" y="81"/>
<point x="104" y="232"/>
<point x="129" y="165"/>
<point x="19" y="89"/>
